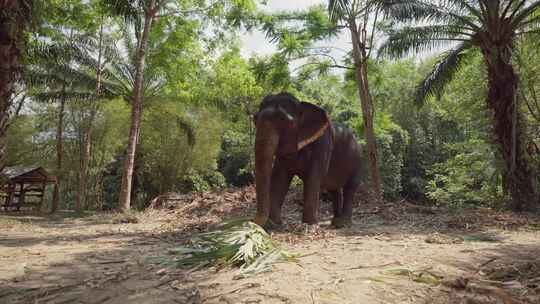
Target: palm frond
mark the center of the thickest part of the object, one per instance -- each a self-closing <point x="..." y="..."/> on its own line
<point x="338" y="9"/>
<point x="130" y="10"/>
<point x="465" y="7"/>
<point x="530" y="26"/>
<point x="73" y="64"/>
<point x="53" y="96"/>
<point x="408" y="10"/>
<point x="59" y="75"/>
<point x="515" y="8"/>
<point x="238" y="243"/>
<point x="109" y="50"/>
<point x="42" y="51"/>
<point x="525" y="16"/>
<point x="426" y="11"/>
<point x="417" y="39"/>
<point x="130" y="45"/>
<point x="443" y="72"/>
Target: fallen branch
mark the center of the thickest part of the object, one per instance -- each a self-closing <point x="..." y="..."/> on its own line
<point x="374" y="266"/>
<point x="420" y="209"/>
<point x="462" y="283"/>
<point x="165" y="282"/>
<point x="17" y="290"/>
<point x="486" y="263"/>
<point x="306" y="255"/>
<point x="243" y="287"/>
<point x="490" y="290"/>
<point x="111" y="262"/>
<point x="376" y="210"/>
<point x="276" y="296"/>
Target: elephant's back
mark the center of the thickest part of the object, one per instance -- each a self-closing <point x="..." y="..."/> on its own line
<point x="345" y="143"/>
<point x="345" y="159"/>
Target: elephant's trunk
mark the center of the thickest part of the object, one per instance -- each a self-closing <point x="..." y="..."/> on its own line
<point x="266" y="142"/>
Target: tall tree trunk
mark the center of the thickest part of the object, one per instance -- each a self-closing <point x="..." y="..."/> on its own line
<point x="509" y="128"/>
<point x="13" y="20"/>
<point x="360" y="62"/>
<point x="124" y="203"/>
<point x="84" y="164"/>
<point x="59" y="155"/>
<point x="87" y="136"/>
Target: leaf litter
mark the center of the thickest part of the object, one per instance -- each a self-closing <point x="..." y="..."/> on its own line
<point x="182" y="220"/>
<point x="236" y="243"/>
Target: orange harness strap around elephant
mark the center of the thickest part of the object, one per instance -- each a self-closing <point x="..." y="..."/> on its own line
<point x="316" y="136"/>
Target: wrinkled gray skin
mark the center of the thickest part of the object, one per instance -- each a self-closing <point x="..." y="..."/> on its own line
<point x="297" y="138"/>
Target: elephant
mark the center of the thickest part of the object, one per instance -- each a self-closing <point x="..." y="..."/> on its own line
<point x="298" y="138"/>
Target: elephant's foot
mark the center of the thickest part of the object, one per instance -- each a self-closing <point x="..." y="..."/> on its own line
<point x="276" y="220"/>
<point x="310" y="220"/>
<point x="308" y="229"/>
<point x="271" y="225"/>
<point x="341" y="222"/>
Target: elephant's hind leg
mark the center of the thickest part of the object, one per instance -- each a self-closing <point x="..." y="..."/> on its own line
<point x="349" y="190"/>
<point x="345" y="217"/>
<point x="337" y="202"/>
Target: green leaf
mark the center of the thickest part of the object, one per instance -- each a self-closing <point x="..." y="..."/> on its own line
<point x="236" y="243"/>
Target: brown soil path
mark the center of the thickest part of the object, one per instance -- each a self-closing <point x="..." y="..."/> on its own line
<point x="99" y="259"/>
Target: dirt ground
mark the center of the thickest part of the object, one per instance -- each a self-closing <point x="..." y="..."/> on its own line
<point x="393" y="253"/>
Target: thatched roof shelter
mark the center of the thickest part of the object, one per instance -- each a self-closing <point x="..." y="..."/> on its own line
<point x="28" y="174"/>
<point x="22" y="183"/>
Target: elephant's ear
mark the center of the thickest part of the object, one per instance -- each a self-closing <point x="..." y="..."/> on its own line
<point x="313" y="123"/>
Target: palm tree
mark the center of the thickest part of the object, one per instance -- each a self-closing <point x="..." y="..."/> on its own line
<point x="86" y="69"/>
<point x="491" y="27"/>
<point x="14" y="17"/>
<point x="59" y="72"/>
<point x="134" y="11"/>
<point x="94" y="58"/>
<point x="122" y="80"/>
<point x="359" y="17"/>
<point x="88" y="120"/>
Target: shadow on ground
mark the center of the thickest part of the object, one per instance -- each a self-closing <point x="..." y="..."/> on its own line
<point x="92" y="258"/>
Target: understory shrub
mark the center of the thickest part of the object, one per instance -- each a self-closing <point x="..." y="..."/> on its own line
<point x="391" y="147"/>
<point x="470" y="177"/>
<point x="195" y="181"/>
<point x="235" y="158"/>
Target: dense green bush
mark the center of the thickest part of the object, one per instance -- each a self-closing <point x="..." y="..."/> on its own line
<point x="235" y="159"/>
<point x="195" y="181"/>
<point x="470" y="177"/>
<point x="391" y="155"/>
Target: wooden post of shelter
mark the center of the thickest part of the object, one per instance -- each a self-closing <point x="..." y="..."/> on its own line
<point x="42" y="197"/>
<point x="22" y="192"/>
<point x="9" y="199"/>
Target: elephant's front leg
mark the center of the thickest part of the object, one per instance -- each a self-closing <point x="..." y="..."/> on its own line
<point x="280" y="182"/>
<point x="312" y="189"/>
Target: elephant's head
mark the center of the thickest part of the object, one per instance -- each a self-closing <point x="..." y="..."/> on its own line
<point x="284" y="127"/>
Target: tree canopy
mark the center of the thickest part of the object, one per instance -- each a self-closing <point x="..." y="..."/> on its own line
<point x="447" y="127"/>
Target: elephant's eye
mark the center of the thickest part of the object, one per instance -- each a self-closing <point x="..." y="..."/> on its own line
<point x="286" y="116"/>
<point x="283" y="115"/>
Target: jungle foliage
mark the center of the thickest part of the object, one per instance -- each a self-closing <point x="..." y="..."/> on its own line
<point x="199" y="93"/>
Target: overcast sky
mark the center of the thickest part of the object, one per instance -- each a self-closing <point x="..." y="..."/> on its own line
<point x="255" y="42"/>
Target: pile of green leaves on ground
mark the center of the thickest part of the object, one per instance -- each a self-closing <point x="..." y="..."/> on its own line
<point x="237" y="243"/>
